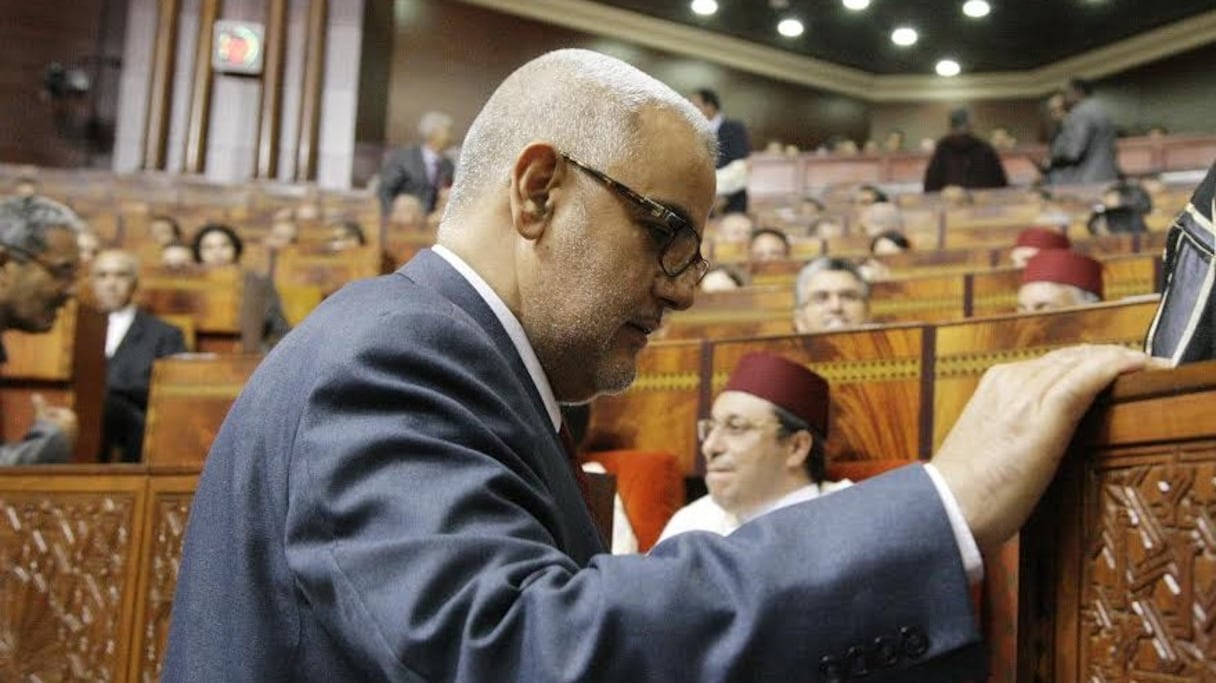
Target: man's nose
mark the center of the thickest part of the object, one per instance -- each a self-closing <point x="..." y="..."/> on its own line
<point x="679" y="292"/>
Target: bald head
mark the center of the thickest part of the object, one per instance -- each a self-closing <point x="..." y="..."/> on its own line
<point x="581" y="193"/>
<point x="579" y="101"/>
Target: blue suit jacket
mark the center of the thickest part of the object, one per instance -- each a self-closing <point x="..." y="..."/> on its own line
<point x="387" y="501"/>
<point x="733" y="145"/>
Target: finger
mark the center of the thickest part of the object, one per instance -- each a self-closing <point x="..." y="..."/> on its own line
<point x="1086" y="373"/>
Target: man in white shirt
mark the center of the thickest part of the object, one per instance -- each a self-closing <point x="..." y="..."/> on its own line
<point x="134" y="340"/>
<point x="763" y="447"/>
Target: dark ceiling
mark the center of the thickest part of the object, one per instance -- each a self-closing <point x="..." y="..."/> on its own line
<point x="1016" y="35"/>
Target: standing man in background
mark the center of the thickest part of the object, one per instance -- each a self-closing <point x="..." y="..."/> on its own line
<point x="733" y="149"/>
<point x="1084" y="149"/>
<point x="421" y="170"/>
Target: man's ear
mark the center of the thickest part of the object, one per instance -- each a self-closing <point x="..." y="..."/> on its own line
<point x="799" y="449"/>
<point x="538" y="170"/>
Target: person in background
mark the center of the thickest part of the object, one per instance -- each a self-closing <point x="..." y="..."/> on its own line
<point x="733" y="151"/>
<point x="1084" y="149"/>
<point x="164" y="230"/>
<point x="962" y="159"/>
<point x="1122" y="211"/>
<point x="345" y="235"/>
<point x="134" y="340"/>
<point x="764" y="446"/>
<point x="884" y="244"/>
<point x="88" y="244"/>
<point x="421" y="170"/>
<point x="830" y="294"/>
<point x="722" y="278"/>
<point x="1059" y="278"/>
<point x="219" y="246"/>
<point x="176" y="255"/>
<point x="38" y="265"/>
<point x="768" y="244"/>
<point x="1031" y="240"/>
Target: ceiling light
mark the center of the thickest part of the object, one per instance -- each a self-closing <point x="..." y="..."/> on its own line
<point x="856" y="5"/>
<point x="904" y="36"/>
<point x="790" y="28"/>
<point x="976" y="8"/>
<point x="948" y="68"/>
<point x="704" y="7"/>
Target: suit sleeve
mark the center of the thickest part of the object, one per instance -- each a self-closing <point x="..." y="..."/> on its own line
<point x="735" y="144"/>
<point x="1069" y="147"/>
<point x="420" y="533"/>
<point x="392" y="177"/>
<point x="43" y="444"/>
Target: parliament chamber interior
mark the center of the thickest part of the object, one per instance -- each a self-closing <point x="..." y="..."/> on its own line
<point x="280" y="120"/>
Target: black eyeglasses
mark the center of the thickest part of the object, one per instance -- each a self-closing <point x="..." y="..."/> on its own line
<point x="64" y="272"/>
<point x="679" y="244"/>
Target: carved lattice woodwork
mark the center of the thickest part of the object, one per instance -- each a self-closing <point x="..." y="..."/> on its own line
<point x="1148" y="602"/>
<point x="65" y="569"/>
<point x="167" y="531"/>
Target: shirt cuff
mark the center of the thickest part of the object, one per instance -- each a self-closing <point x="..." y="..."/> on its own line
<point x="973" y="563"/>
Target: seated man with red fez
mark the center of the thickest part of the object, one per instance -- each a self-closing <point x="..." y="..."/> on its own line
<point x="1059" y="278"/>
<point x="763" y="447"/>
<point x="1031" y="240"/>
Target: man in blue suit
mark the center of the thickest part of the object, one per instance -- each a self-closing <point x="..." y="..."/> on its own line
<point x="733" y="150"/>
<point x="390" y="499"/>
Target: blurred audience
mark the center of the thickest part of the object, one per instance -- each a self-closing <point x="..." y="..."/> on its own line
<point x="963" y="159"/>
<point x="722" y="278"/>
<point x="346" y="235"/>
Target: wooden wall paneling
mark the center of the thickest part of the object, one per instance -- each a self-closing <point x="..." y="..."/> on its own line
<point x="200" y="91"/>
<point x="928" y="298"/>
<point x="68" y="544"/>
<point x="309" y="127"/>
<point x="876" y="378"/>
<point x="271" y="105"/>
<point x="659" y="411"/>
<point x="164" y="529"/>
<point x="160" y="85"/>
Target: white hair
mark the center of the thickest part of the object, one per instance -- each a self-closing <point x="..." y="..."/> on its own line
<point x="432" y="122"/>
<point x="581" y="102"/>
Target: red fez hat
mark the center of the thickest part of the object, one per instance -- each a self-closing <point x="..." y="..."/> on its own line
<point x="784" y="383"/>
<point x="1066" y="268"/>
<point x="1043" y="238"/>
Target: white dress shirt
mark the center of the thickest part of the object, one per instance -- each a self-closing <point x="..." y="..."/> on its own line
<point x="117" y="326"/>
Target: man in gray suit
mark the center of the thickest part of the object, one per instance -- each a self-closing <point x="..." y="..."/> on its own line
<point x="38" y="263"/>
<point x="390" y="499"/>
<point x="421" y="170"/>
<point x="1084" y="149"/>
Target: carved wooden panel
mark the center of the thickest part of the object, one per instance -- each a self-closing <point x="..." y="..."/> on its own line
<point x="1148" y="592"/>
<point x="66" y="576"/>
<point x="165" y="531"/>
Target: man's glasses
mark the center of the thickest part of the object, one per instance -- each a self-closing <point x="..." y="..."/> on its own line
<point x="679" y="244"/>
<point x="733" y="426"/>
<point x="63" y="272"/>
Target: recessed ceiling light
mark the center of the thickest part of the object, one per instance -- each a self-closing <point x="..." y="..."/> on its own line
<point x="948" y="68"/>
<point x="904" y="36"/>
<point x="856" y="5"/>
<point x="704" y="7"/>
<point x="790" y="28"/>
<point x="976" y="8"/>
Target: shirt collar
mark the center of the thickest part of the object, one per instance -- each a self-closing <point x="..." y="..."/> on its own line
<point x="514" y="330"/>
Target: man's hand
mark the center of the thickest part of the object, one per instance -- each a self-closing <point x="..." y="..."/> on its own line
<point x="1003" y="451"/>
<point x="64" y="419"/>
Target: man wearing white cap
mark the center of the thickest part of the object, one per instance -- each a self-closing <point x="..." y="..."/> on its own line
<point x="763" y="447"/>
